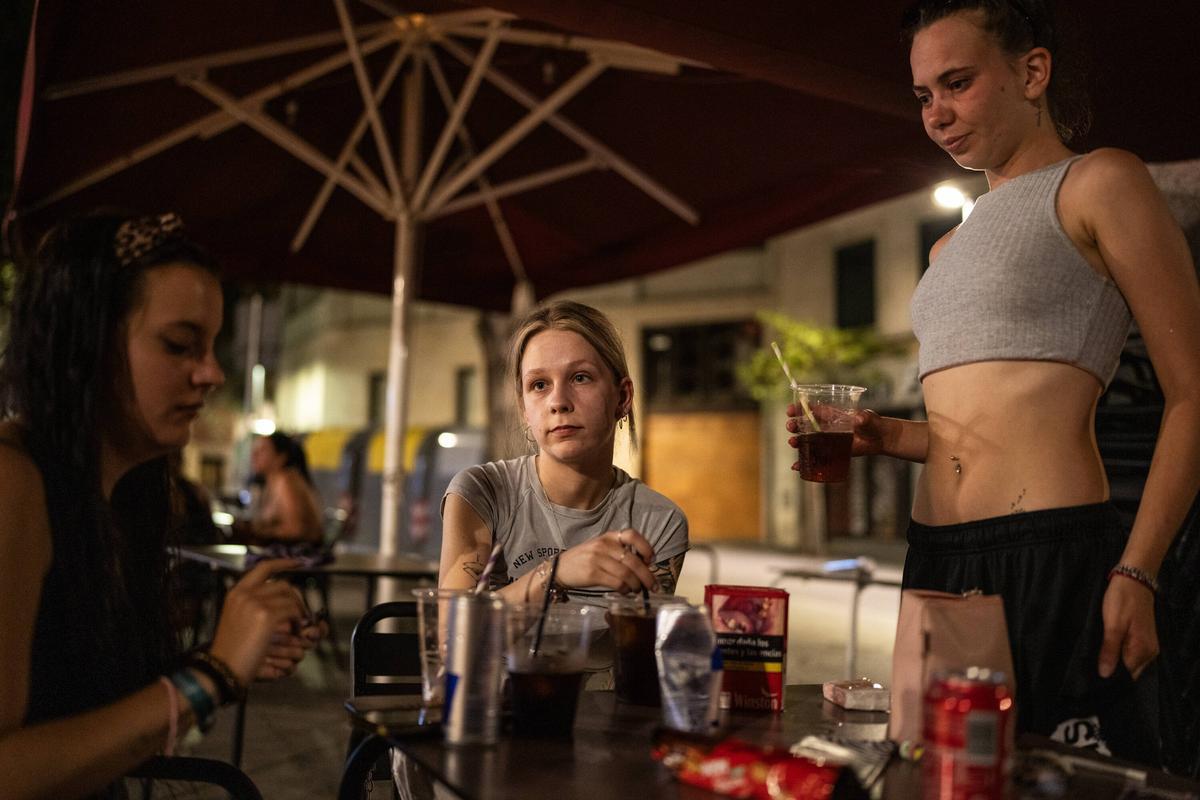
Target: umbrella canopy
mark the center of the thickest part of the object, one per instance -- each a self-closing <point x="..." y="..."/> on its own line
<point x="805" y="114"/>
<point x="448" y="152"/>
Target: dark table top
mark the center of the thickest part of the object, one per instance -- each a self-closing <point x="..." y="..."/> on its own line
<point x="232" y="558"/>
<point x="609" y="756"/>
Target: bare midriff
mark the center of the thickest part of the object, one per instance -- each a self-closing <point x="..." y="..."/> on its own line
<point x="1007" y="437"/>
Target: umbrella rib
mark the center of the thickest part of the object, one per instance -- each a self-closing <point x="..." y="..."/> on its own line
<point x="615" y="53"/>
<point x="487" y="194"/>
<point x="457" y="112"/>
<point x="444" y="21"/>
<point x="225" y="58"/>
<point x="209" y="125"/>
<point x="368" y="176"/>
<point x="585" y="140"/>
<point x="368" y="98"/>
<point x="535" y="117"/>
<point x="360" y="127"/>
<point x="290" y="142"/>
<point x="518" y="185"/>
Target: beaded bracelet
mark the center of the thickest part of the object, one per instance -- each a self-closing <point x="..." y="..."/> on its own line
<point x="227" y="683"/>
<point x="1134" y="573"/>
<point x="201" y="701"/>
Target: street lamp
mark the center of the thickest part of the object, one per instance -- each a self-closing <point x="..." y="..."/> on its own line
<point x="947" y="195"/>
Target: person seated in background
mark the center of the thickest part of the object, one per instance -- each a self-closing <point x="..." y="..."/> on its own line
<point x="289" y="511"/>
<point x="109" y="359"/>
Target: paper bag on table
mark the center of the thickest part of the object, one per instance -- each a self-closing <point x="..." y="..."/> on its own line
<point x="939" y="631"/>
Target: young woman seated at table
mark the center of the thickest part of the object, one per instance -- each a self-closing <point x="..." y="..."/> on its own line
<point x="565" y="518"/>
<point x="289" y="511"/>
<point x="109" y="360"/>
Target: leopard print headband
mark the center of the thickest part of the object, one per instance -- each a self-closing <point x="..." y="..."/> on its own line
<point x="137" y="237"/>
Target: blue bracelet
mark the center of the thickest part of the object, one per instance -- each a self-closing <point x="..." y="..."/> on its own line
<point x="201" y="701"/>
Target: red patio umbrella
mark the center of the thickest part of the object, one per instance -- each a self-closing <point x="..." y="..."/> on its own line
<point x="447" y="152"/>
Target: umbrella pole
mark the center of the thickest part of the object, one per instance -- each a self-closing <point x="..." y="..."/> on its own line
<point x="396" y="419"/>
<point x="404" y="268"/>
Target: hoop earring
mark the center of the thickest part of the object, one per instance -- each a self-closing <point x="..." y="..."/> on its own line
<point x="621" y="422"/>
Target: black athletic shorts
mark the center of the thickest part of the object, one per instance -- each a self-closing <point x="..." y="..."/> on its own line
<point x="1050" y="567"/>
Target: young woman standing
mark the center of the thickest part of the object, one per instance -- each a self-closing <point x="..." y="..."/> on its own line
<point x="1021" y="318"/>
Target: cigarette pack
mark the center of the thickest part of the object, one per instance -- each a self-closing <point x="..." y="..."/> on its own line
<point x="751" y="627"/>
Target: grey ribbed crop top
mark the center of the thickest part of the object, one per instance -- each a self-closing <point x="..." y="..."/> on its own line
<point x="1010" y="285"/>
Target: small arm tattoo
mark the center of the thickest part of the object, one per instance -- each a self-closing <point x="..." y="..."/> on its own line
<point x="473" y="568"/>
<point x="667" y="573"/>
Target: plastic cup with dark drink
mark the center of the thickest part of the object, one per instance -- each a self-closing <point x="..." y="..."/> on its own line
<point x="825" y="415"/>
<point x="632" y="621"/>
<point x="547" y="653"/>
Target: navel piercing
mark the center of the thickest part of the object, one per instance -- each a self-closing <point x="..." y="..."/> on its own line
<point x="957" y="465"/>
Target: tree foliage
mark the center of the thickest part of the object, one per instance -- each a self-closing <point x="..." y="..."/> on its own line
<point x="814" y="354"/>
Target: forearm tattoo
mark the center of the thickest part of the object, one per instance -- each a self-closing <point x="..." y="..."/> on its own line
<point x="667" y="573"/>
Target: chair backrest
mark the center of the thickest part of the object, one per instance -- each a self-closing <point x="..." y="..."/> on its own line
<point x="196" y="770"/>
<point x="386" y="662"/>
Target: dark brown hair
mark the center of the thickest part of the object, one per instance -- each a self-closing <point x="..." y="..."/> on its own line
<point x="1018" y="26"/>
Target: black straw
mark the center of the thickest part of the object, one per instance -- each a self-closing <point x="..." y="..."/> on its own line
<point x="645" y="591"/>
<point x="541" y="624"/>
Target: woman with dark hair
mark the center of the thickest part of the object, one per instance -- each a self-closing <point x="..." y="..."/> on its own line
<point x="109" y="360"/>
<point x="288" y="509"/>
<point x="1021" y="318"/>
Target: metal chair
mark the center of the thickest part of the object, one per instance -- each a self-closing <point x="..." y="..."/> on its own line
<point x="382" y="662"/>
<point x="195" y="770"/>
<point x="386" y="662"/>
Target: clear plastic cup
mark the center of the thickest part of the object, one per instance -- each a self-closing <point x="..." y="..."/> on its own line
<point x="432" y="617"/>
<point x="825" y="414"/>
<point x="547" y="655"/>
<point x="633" y="622"/>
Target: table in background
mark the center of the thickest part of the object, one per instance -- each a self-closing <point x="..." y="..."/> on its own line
<point x="231" y="559"/>
<point x="609" y="756"/>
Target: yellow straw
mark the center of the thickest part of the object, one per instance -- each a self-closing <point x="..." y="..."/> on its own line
<point x="800" y="395"/>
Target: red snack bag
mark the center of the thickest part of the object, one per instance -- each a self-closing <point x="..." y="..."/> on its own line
<point x="751" y="627"/>
<point x="736" y="769"/>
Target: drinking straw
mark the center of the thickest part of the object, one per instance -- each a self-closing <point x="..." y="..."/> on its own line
<point x="537" y="636"/>
<point x="645" y="591"/>
<point x="487" y="569"/>
<point x="803" y="402"/>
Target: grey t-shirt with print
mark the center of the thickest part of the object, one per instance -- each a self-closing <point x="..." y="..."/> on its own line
<point x="508" y="496"/>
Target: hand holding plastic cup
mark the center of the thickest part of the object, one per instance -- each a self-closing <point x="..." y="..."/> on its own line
<point x="825" y="429"/>
<point x="547" y="653"/>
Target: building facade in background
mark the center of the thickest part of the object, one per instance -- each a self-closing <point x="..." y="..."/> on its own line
<point x="704" y="443"/>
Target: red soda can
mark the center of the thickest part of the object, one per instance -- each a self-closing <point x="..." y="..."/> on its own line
<point x="966" y="726"/>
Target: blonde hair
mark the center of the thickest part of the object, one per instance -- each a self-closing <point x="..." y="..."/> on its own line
<point x="592" y="325"/>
